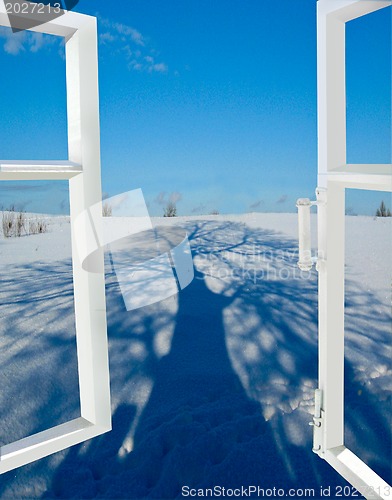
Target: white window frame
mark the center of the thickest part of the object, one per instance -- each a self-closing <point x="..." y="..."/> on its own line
<point x="335" y="176"/>
<point x="83" y="172"/>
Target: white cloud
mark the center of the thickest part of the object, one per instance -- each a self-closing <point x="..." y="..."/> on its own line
<point x="129" y="32"/>
<point x="39" y="40"/>
<point x="131" y="45"/>
<point x="118" y="37"/>
<point x="106" y="37"/>
<point x="159" y="68"/>
<point x="135" y="65"/>
<point x="14" y="43"/>
<point x="13" y="46"/>
<point x="22" y="41"/>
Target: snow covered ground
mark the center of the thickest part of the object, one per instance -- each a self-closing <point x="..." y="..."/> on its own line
<point x="212" y="387"/>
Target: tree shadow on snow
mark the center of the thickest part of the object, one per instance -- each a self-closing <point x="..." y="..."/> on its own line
<point x="214" y="387"/>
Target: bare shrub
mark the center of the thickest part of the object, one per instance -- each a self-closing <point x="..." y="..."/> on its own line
<point x="16" y="224"/>
<point x="107" y="210"/>
<point x="39" y="226"/>
<point x="20" y="224"/>
<point x="8" y="223"/>
<point x="170" y="210"/>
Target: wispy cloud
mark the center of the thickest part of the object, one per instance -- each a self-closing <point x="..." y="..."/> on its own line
<point x="129" y="32"/>
<point x="64" y="205"/>
<point x="25" y="41"/>
<point x="256" y="204"/>
<point x="131" y="45"/>
<point x="175" y="197"/>
<point x="200" y="209"/>
<point x="119" y="38"/>
<point x="106" y="38"/>
<point x="162" y="199"/>
<point x="282" y="199"/>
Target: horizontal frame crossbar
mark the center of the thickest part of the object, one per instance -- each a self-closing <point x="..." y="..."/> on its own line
<point x="38" y="170"/>
<point x="377" y="177"/>
<point x="359" y="181"/>
<point x="365" y="168"/>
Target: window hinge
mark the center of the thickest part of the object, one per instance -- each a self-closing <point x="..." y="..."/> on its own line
<point x="317" y="424"/>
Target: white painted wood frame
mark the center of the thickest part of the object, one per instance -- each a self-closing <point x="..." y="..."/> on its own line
<point x="83" y="172"/>
<point x="334" y="177"/>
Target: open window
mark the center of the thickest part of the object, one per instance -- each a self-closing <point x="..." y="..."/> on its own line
<point x="335" y="177"/>
<point x="82" y="171"/>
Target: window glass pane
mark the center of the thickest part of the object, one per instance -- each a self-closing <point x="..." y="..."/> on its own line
<point x="38" y="361"/>
<point x="368" y="73"/>
<point x="33" y="121"/>
<point x="368" y="339"/>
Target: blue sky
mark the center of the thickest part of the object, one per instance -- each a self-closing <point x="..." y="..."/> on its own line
<point x="210" y="104"/>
